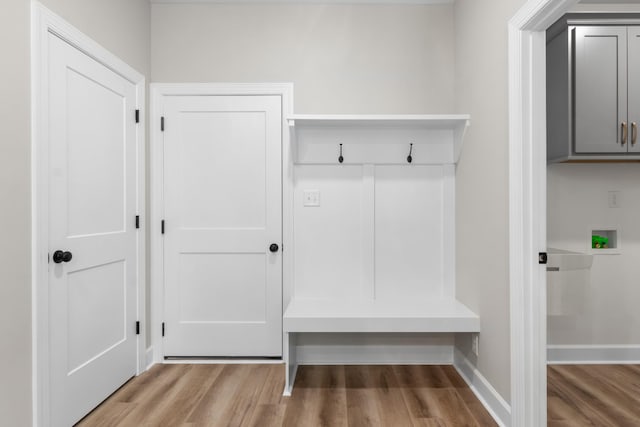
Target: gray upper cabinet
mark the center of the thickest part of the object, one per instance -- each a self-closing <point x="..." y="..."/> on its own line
<point x="593" y="92"/>
<point x="633" y="59"/>
<point x="600" y="95"/>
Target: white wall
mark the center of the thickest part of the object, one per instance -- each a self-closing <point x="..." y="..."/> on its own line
<point x="15" y="285"/>
<point x="123" y="27"/>
<point x="577" y="197"/>
<point x="482" y="221"/>
<point x="341" y="58"/>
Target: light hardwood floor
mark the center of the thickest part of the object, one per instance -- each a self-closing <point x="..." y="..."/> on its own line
<point x="251" y="395"/>
<point x="593" y="395"/>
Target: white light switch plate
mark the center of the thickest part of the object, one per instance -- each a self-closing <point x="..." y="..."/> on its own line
<point x="311" y="197"/>
<point x="614" y="199"/>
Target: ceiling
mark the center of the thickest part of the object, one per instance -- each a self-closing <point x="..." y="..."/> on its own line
<point x="310" y="1"/>
<point x="610" y="2"/>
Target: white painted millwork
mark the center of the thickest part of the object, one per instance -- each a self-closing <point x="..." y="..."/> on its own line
<point x="593" y="354"/>
<point x="402" y="315"/>
<point x="379" y="139"/>
<point x="222" y="211"/>
<point x="375" y="253"/>
<point x="527" y="207"/>
<point x="499" y="409"/>
<point x="92" y="208"/>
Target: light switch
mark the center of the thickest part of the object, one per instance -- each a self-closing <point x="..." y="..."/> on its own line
<point x="614" y="199"/>
<point x="311" y="197"/>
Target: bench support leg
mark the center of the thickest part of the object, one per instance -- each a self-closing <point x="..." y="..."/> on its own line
<point x="291" y="364"/>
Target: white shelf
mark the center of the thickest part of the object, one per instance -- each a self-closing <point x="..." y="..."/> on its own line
<point x="378" y="139"/>
<point x="427" y="121"/>
<point x="327" y="315"/>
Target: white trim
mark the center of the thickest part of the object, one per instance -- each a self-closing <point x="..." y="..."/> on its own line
<point x="497" y="407"/>
<point x="160" y="90"/>
<point x="223" y="361"/>
<point x="593" y="354"/>
<point x="149" y="358"/>
<point x="358" y="354"/>
<point x="43" y="22"/>
<point x="527" y="206"/>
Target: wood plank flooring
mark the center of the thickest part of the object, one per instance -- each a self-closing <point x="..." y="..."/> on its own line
<point x="251" y="395"/>
<point x="593" y="395"/>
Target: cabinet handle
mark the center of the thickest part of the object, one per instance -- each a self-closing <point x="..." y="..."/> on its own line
<point x="634" y="133"/>
<point x="623" y="133"/>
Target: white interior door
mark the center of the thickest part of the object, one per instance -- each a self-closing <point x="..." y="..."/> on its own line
<point x="92" y="235"/>
<point x="223" y="211"/>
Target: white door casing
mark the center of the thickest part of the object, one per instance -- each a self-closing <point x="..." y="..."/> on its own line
<point x="222" y="211"/>
<point x="88" y="187"/>
<point x="527" y="207"/>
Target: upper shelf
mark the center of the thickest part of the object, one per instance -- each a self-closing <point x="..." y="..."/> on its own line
<point x="426" y="121"/>
<point x="378" y="139"/>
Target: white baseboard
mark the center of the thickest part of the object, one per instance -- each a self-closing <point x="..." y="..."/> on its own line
<point x="222" y="361"/>
<point x="497" y="407"/>
<point x="374" y="348"/>
<point x="149" y="358"/>
<point x="374" y="355"/>
<point x="593" y="354"/>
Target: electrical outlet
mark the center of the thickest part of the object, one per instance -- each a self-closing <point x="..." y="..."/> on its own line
<point x="475" y="344"/>
<point x="311" y="198"/>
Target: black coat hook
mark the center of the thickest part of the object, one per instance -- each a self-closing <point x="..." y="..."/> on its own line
<point x="340" y="158"/>
<point x="409" y="157"/>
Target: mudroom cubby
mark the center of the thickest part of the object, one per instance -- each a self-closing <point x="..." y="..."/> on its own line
<point x="374" y="228"/>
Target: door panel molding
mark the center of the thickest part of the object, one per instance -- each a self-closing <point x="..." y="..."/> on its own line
<point x="45" y="23"/>
<point x="158" y="93"/>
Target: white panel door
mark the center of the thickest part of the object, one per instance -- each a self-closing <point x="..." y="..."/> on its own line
<point x="92" y="236"/>
<point x="223" y="211"/>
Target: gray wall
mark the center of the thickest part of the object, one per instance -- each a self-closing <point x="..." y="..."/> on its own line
<point x="122" y="26"/>
<point x="15" y="286"/>
<point x="341" y="58"/>
<point x="599" y="308"/>
<point x="482" y="182"/>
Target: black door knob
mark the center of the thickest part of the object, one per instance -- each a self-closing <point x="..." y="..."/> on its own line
<point x="60" y="256"/>
<point x="273" y="247"/>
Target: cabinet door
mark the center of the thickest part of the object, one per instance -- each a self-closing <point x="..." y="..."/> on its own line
<point x="633" y="82"/>
<point x="600" y="89"/>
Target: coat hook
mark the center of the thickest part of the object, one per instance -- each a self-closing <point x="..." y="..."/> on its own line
<point x="341" y="159"/>
<point x="409" y="157"/>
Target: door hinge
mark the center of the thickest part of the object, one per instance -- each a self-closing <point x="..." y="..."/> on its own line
<point x="162" y="226"/>
<point x="542" y="257"/>
<point x="162" y="328"/>
<point x="162" y="124"/>
<point x="137" y="221"/>
<point x="137" y="116"/>
<point x="137" y="327"/>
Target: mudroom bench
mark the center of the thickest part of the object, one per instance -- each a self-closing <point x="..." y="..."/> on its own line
<point x="373" y="236"/>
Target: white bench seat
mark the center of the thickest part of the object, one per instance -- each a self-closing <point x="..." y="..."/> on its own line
<point x="327" y="315"/>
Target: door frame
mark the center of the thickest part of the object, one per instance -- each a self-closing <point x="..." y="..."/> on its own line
<point x="158" y="92"/>
<point x="527" y="207"/>
<point x="43" y="23"/>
